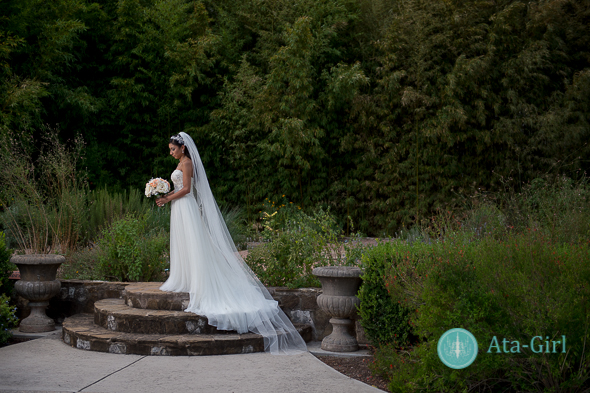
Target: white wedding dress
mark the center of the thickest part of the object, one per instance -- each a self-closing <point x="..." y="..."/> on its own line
<point x="221" y="286"/>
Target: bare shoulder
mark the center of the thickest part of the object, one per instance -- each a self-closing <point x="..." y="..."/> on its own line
<point x="187" y="166"/>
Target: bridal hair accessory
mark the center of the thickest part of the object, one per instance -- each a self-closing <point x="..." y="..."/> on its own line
<point x="178" y="139"/>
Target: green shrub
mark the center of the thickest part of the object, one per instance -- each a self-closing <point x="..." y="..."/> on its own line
<point x="513" y="267"/>
<point x="384" y="321"/>
<point x="557" y="206"/>
<point x="6" y="268"/>
<point x="295" y="244"/>
<point x="279" y="215"/>
<point x="7" y="318"/>
<point x="516" y="288"/>
<point x="132" y="250"/>
<point x="46" y="202"/>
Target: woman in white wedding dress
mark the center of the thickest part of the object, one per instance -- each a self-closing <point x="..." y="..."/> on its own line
<point x="205" y="263"/>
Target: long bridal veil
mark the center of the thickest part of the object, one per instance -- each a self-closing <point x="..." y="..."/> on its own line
<point x="258" y="308"/>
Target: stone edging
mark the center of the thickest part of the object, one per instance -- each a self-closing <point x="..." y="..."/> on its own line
<point x="79" y="296"/>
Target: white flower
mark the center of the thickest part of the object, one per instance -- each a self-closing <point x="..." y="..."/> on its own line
<point x="161" y="187"/>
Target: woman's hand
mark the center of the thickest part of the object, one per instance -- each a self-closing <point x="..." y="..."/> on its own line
<point x="161" y="201"/>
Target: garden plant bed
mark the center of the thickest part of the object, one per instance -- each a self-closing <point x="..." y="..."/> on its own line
<point x="356" y="368"/>
<point x="365" y="242"/>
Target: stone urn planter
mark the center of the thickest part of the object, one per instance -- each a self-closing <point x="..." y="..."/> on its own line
<point x="37" y="284"/>
<point x="340" y="285"/>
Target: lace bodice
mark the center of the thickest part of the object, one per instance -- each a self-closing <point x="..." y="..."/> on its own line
<point x="177" y="179"/>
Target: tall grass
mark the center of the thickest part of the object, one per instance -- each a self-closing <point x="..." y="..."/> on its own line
<point x="46" y="205"/>
<point x="559" y="207"/>
<point x="43" y="198"/>
<point x="235" y="219"/>
<point x="104" y="207"/>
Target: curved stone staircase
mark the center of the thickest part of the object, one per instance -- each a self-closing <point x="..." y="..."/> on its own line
<point x="148" y="321"/>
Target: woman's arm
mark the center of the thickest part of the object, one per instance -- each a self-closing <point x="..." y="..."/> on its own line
<point x="187" y="174"/>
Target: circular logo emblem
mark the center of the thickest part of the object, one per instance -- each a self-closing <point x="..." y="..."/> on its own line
<point x="457" y="348"/>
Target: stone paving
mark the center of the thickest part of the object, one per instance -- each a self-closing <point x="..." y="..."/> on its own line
<point x="112" y="350"/>
<point x="49" y="365"/>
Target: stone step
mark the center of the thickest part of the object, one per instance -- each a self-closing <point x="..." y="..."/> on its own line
<point x="115" y="315"/>
<point x="147" y="295"/>
<point x="80" y="331"/>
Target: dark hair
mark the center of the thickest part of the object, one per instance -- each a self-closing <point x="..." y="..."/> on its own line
<point x="175" y="140"/>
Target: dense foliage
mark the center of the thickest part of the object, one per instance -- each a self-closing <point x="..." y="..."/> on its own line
<point x="517" y="289"/>
<point x="513" y="269"/>
<point x="385" y="322"/>
<point x="8" y="320"/>
<point x="383" y="110"/>
<point x="6" y="268"/>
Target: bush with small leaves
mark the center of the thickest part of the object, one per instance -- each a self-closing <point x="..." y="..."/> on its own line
<point x="6" y="268"/>
<point x="295" y="244"/>
<point x="8" y="319"/>
<point x="131" y="250"/>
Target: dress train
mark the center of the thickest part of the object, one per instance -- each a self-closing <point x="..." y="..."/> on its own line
<point x="219" y="286"/>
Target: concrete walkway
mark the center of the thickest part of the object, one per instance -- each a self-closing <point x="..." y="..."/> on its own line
<point x="48" y="365"/>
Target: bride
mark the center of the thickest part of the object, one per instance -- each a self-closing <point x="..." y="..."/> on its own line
<point x="205" y="263"/>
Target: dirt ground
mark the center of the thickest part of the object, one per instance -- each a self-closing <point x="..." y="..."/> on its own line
<point x="356" y="368"/>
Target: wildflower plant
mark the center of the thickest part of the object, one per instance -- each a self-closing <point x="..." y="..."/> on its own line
<point x="296" y="243"/>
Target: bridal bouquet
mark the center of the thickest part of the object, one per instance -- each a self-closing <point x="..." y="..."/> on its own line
<point x="156" y="187"/>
